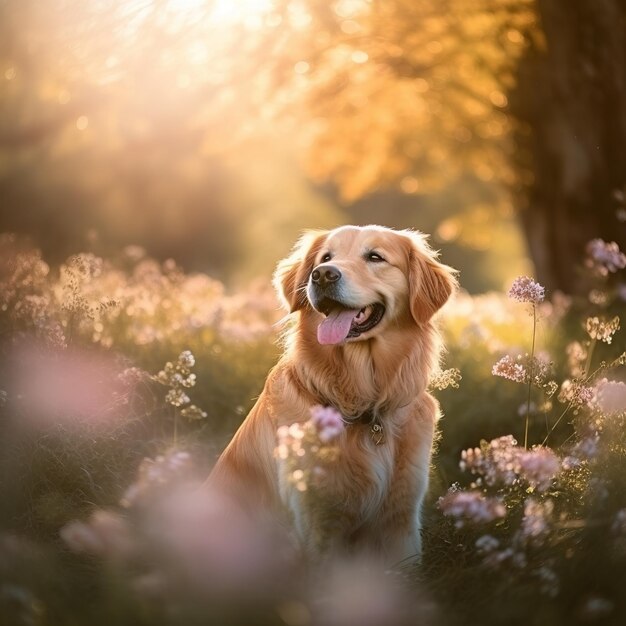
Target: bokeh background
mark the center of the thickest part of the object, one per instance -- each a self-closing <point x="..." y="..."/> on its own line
<point x="158" y="157"/>
<point x="213" y="131"/>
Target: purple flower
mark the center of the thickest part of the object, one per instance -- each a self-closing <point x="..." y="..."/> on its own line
<point x="525" y="289"/>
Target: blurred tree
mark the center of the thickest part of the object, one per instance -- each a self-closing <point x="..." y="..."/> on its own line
<point x="529" y="93"/>
<point x="570" y="105"/>
<point x="136" y="116"/>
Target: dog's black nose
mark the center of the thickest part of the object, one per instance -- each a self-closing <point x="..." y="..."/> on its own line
<point x="325" y="274"/>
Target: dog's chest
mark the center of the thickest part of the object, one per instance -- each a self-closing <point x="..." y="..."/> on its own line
<point x="365" y="476"/>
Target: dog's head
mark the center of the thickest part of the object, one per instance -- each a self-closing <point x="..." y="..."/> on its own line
<point x="361" y="280"/>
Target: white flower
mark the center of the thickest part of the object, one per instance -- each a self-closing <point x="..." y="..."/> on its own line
<point x="187" y="359"/>
<point x="601" y="329"/>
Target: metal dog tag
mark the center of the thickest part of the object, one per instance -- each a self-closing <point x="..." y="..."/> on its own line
<point x="377" y="434"/>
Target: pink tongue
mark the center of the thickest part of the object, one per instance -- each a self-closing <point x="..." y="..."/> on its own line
<point x="335" y="328"/>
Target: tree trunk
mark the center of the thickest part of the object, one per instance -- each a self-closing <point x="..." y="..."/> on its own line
<point x="570" y="102"/>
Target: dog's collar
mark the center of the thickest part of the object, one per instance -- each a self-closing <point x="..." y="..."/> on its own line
<point x="371" y="419"/>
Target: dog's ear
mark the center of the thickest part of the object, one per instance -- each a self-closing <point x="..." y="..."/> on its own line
<point x="292" y="274"/>
<point x="431" y="283"/>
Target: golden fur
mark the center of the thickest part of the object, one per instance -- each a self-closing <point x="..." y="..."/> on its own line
<point x="375" y="491"/>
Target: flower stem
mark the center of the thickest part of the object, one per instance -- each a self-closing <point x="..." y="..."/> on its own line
<point x="567" y="408"/>
<point x="530" y="375"/>
<point x="586" y="379"/>
<point x="592" y="346"/>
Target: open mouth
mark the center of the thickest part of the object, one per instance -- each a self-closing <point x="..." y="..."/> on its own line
<point x="343" y="323"/>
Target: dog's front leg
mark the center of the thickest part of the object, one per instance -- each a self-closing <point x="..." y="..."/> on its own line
<point x="322" y="521"/>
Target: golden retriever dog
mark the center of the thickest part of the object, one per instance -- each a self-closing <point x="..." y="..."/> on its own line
<point x="361" y="340"/>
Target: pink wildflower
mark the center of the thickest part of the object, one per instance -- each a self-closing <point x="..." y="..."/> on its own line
<point x="471" y="505"/>
<point x="575" y="393"/>
<point x="538" y="467"/>
<point x="494" y="461"/>
<point x="611" y="396"/>
<point x="327" y="422"/>
<point x="525" y="289"/>
<point x="510" y="369"/>
<point x="537" y="520"/>
<point x="502" y="461"/>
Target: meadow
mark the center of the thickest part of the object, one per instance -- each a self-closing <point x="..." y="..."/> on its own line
<point x="123" y="378"/>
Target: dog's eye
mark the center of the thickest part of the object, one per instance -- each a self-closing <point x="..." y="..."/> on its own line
<point x="326" y="257"/>
<point x="374" y="257"/>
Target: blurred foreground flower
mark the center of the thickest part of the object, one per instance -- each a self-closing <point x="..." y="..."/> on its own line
<point x="71" y="386"/>
<point x="105" y="534"/>
<point x="360" y="592"/>
<point x="155" y="476"/>
<point x="209" y="541"/>
<point x="179" y="539"/>
<point x="327" y="422"/>
<point x="305" y="449"/>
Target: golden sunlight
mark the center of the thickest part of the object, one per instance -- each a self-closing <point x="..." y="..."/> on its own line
<point x="225" y="11"/>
